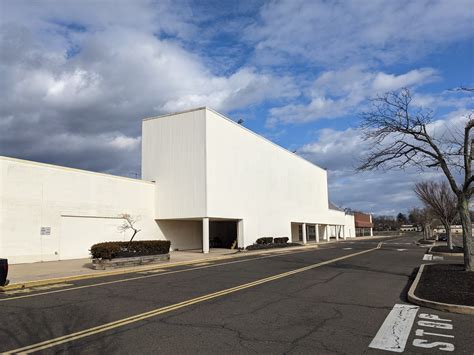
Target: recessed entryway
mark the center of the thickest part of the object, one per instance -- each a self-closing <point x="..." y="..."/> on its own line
<point x="223" y="234"/>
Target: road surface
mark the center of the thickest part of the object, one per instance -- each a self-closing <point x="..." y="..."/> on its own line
<point x="342" y="298"/>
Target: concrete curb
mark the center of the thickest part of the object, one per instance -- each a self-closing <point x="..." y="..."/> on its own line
<point x="453" y="308"/>
<point x="443" y="254"/>
<point x="43" y="282"/>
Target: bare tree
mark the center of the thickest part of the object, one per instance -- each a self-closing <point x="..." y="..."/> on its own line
<point x="401" y="137"/>
<point x="385" y="223"/>
<point x="129" y="223"/>
<point x="424" y="218"/>
<point x="441" y="200"/>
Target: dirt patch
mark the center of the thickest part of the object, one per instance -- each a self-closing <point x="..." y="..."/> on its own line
<point x="446" y="283"/>
<point x="427" y="241"/>
<point x="445" y="249"/>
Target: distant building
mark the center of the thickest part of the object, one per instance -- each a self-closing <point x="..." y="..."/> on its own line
<point x="408" y="228"/>
<point x="363" y="224"/>
<point x="455" y="229"/>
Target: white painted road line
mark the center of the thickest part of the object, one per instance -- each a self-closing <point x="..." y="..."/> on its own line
<point x="394" y="332"/>
<point x="421" y="332"/>
<point x="36" y="288"/>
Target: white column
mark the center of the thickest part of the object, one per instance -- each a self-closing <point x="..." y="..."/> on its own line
<point x="337" y="233"/>
<point x="371" y="230"/>
<point x="205" y="235"/>
<point x="316" y="229"/>
<point x="240" y="234"/>
<point x="344" y="232"/>
<point x="303" y="228"/>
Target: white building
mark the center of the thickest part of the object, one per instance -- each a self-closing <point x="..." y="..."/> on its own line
<point x="455" y="229"/>
<point x="408" y="228"/>
<point x="206" y="180"/>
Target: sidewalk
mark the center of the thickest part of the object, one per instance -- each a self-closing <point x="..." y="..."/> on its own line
<point x="21" y="273"/>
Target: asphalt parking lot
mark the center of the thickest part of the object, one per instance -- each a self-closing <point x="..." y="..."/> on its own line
<point x="334" y="299"/>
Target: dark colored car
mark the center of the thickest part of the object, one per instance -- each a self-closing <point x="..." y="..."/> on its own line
<point x="442" y="237"/>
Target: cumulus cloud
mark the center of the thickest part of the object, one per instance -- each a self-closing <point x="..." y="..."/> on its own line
<point x="337" y="32"/>
<point x="82" y="75"/>
<point x="336" y="92"/>
<point x="381" y="192"/>
<point x="77" y="77"/>
<point x="340" y="152"/>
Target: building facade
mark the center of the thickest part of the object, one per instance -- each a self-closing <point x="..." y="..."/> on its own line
<point x="363" y="224"/>
<point x="206" y="182"/>
<point x="455" y="229"/>
<point x="409" y="228"/>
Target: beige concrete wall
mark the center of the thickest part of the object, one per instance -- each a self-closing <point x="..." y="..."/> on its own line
<point x="184" y="235"/>
<point x="79" y="207"/>
<point x="173" y="155"/>
<point x="251" y="178"/>
<point x="349" y="226"/>
<point x="294" y="237"/>
<point x="206" y="165"/>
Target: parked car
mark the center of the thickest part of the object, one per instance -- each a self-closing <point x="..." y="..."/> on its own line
<point x="442" y="237"/>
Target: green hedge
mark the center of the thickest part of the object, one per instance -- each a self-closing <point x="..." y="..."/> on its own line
<point x="264" y="240"/>
<point x="111" y="250"/>
<point x="271" y="246"/>
<point x="279" y="240"/>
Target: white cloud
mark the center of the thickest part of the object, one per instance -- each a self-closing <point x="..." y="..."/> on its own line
<point x="77" y="77"/>
<point x="383" y="82"/>
<point x="381" y="192"/>
<point x="80" y="73"/>
<point x="125" y="143"/>
<point x="335" y="32"/>
<point x="337" y="93"/>
<point x="335" y="150"/>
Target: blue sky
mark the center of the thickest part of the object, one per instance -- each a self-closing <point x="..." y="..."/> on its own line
<point x="78" y="76"/>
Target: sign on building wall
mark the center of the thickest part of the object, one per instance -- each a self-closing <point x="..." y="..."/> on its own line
<point x="45" y="231"/>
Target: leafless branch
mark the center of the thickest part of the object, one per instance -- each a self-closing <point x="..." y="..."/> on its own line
<point x="129" y="223"/>
<point x="400" y="137"/>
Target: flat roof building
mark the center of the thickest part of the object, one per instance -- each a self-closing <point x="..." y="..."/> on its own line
<point x="363" y="224"/>
<point x="206" y="182"/>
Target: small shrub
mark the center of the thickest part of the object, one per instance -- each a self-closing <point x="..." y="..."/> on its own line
<point x="110" y="250"/>
<point x="281" y="240"/>
<point x="264" y="240"/>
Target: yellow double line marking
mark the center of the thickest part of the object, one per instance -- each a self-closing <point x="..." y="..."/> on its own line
<point x="192" y="267"/>
<point x="142" y="316"/>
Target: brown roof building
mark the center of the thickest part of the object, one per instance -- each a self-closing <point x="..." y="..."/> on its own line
<point x="363" y="224"/>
